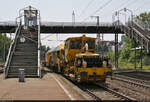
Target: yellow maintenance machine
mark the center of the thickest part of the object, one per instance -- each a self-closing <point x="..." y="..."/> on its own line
<point x="79" y="61"/>
<point x="54" y="58"/>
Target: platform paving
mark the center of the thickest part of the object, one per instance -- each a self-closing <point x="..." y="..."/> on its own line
<point x="46" y="88"/>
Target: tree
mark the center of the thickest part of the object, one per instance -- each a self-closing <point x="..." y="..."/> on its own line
<point x="43" y="48"/>
<point x="105" y="48"/>
<point x="145" y="17"/>
<point x="111" y="55"/>
<point x="48" y="48"/>
<point x="4" y="45"/>
<point x="98" y="48"/>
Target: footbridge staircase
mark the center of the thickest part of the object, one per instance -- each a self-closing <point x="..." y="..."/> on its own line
<point x="24" y="52"/>
<point x="136" y="30"/>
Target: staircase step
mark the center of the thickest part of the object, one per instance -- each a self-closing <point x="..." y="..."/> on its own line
<point x="21" y="49"/>
<point x="27" y="54"/>
<point x="15" y="63"/>
<point x="24" y="57"/>
<point x="27" y="45"/>
<point x="23" y="64"/>
<point x="15" y="75"/>
<point x="26" y="68"/>
<point x="29" y="41"/>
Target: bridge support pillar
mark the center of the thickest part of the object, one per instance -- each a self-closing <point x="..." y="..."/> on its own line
<point x="135" y="55"/>
<point x="141" y="53"/>
<point x="116" y="50"/>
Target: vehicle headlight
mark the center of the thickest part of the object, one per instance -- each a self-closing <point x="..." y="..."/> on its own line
<point x="79" y="62"/>
<point x="105" y="63"/>
<point x="84" y="64"/>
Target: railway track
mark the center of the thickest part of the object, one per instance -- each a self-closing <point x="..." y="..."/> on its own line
<point x="137" y="74"/>
<point x="95" y="93"/>
<point x="89" y="92"/>
<point x="125" y="97"/>
<point x="131" y="85"/>
<point x="138" y="82"/>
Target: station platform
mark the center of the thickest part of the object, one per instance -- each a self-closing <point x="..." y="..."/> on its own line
<point x="50" y="87"/>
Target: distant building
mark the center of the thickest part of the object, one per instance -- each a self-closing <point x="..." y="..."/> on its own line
<point x="111" y="45"/>
<point x="122" y="39"/>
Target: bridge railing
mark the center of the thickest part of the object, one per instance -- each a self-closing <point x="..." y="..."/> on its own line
<point x="79" y="24"/>
<point x="142" y="24"/>
<point x="8" y="23"/>
<point x="138" y="35"/>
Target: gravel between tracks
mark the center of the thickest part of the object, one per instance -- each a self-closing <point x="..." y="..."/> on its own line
<point x="101" y="93"/>
<point x="137" y="75"/>
<point x="128" y="89"/>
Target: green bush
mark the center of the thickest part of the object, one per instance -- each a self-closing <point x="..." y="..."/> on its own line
<point x="146" y="60"/>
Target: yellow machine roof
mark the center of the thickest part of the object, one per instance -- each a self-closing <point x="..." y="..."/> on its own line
<point x="80" y="37"/>
<point x="60" y="47"/>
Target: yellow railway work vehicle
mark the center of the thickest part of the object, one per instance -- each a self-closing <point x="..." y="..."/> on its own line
<point x="88" y="67"/>
<point x="95" y="68"/>
<point x="57" y="56"/>
<point x="107" y="65"/>
<point x="75" y="45"/>
<point x="47" y="58"/>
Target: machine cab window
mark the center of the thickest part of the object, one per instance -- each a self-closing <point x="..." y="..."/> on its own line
<point x="66" y="44"/>
<point x="90" y="43"/>
<point x="75" y="44"/>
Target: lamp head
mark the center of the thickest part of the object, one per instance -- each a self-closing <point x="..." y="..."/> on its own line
<point x="125" y="9"/>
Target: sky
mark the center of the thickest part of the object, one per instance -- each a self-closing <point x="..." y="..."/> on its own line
<point x="61" y="11"/>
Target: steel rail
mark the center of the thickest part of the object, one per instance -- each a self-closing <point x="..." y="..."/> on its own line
<point x="116" y="93"/>
<point x="137" y="82"/>
<point x="90" y="93"/>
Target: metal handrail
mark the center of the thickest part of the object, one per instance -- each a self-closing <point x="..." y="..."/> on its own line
<point x="144" y="38"/>
<point x="39" y="48"/>
<point x="141" y="23"/>
<point x="11" y="50"/>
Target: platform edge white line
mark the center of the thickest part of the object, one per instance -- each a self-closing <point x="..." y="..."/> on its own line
<point x="65" y="90"/>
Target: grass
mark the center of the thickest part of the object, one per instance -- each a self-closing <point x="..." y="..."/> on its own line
<point x="1" y="62"/>
<point x="128" y="65"/>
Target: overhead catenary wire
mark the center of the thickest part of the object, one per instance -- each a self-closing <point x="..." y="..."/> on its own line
<point x="100" y="8"/>
<point x="46" y="37"/>
<point x="125" y="4"/>
<point x="144" y="4"/>
<point x="129" y="3"/>
<point x="86" y="7"/>
<point x="122" y="4"/>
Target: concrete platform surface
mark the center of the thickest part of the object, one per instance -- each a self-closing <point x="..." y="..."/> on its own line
<point x="47" y="88"/>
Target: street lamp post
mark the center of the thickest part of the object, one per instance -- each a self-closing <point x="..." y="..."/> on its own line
<point x="113" y="18"/>
<point x="116" y="35"/>
<point x="116" y="39"/>
<point x="125" y="10"/>
<point x="98" y="35"/>
<point x="97" y="17"/>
